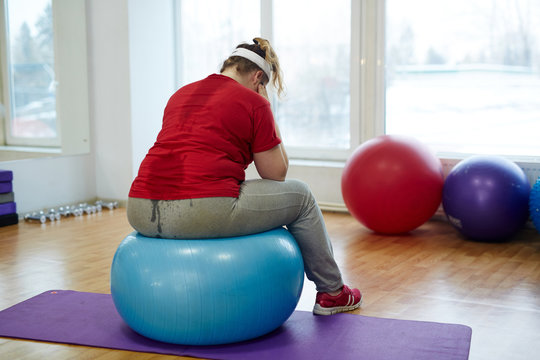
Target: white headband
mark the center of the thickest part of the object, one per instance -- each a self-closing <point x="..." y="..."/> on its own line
<point x="256" y="58"/>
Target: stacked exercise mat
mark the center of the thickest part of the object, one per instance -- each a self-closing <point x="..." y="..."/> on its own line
<point x="8" y="208"/>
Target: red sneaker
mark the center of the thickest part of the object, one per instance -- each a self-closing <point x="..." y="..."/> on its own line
<point x="326" y="304"/>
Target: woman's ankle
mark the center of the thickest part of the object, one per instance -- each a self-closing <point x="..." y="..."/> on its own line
<point x="336" y="292"/>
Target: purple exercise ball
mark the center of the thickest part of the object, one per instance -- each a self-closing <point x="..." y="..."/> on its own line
<point x="486" y="198"/>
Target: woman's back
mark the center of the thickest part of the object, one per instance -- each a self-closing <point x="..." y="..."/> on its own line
<point x="210" y="130"/>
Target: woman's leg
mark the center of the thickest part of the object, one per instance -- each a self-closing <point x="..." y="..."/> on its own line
<point x="291" y="203"/>
<point x="262" y="205"/>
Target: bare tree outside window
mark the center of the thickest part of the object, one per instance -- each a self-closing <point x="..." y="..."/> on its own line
<point x="464" y="76"/>
<point x="31" y="70"/>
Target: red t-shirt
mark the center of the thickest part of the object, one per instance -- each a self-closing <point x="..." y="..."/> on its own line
<point x="211" y="128"/>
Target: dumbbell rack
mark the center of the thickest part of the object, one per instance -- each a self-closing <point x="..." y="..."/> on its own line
<point x="56" y="214"/>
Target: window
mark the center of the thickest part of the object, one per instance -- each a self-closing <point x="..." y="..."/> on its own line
<point x="43" y="78"/>
<point x="464" y="76"/>
<point x="313" y="41"/>
<point x="208" y="31"/>
<point x="31" y="77"/>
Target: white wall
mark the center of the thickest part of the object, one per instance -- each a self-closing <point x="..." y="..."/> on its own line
<point x="152" y="70"/>
<point x="110" y="114"/>
<point x="132" y="75"/>
<point x="50" y="182"/>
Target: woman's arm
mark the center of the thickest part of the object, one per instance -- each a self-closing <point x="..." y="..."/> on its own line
<point x="272" y="164"/>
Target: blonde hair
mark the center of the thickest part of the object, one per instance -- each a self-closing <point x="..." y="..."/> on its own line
<point x="263" y="48"/>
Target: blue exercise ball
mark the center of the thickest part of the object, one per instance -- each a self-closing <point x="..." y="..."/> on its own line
<point x="208" y="291"/>
<point x="534" y="205"/>
<point x="486" y="198"/>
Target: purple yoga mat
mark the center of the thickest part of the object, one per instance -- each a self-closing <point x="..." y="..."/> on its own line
<point x="91" y="319"/>
<point x="6" y="175"/>
<point x="8" y="208"/>
<point x="6" y="187"/>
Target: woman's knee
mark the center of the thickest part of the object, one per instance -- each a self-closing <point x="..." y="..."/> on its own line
<point x="299" y="186"/>
<point x="302" y="188"/>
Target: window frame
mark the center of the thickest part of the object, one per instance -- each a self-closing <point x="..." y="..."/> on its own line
<point x="367" y="81"/>
<point x="9" y="139"/>
<point x="366" y="115"/>
<point x="365" y="110"/>
<point x="367" y="85"/>
<point x="71" y="77"/>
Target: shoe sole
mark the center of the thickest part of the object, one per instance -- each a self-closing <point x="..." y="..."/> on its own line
<point x="319" y="310"/>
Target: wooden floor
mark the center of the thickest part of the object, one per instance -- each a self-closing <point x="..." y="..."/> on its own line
<point x="431" y="275"/>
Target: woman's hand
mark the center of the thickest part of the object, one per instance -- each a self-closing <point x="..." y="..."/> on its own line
<point x="261" y="89"/>
<point x="272" y="164"/>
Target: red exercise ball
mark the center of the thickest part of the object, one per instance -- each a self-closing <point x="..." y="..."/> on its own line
<point x="392" y="184"/>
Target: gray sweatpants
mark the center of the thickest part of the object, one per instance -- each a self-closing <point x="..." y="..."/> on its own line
<point x="262" y="205"/>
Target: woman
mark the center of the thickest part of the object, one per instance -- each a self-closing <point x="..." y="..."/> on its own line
<point x="191" y="183"/>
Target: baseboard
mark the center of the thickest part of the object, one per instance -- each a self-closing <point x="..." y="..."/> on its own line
<point x="333" y="207"/>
